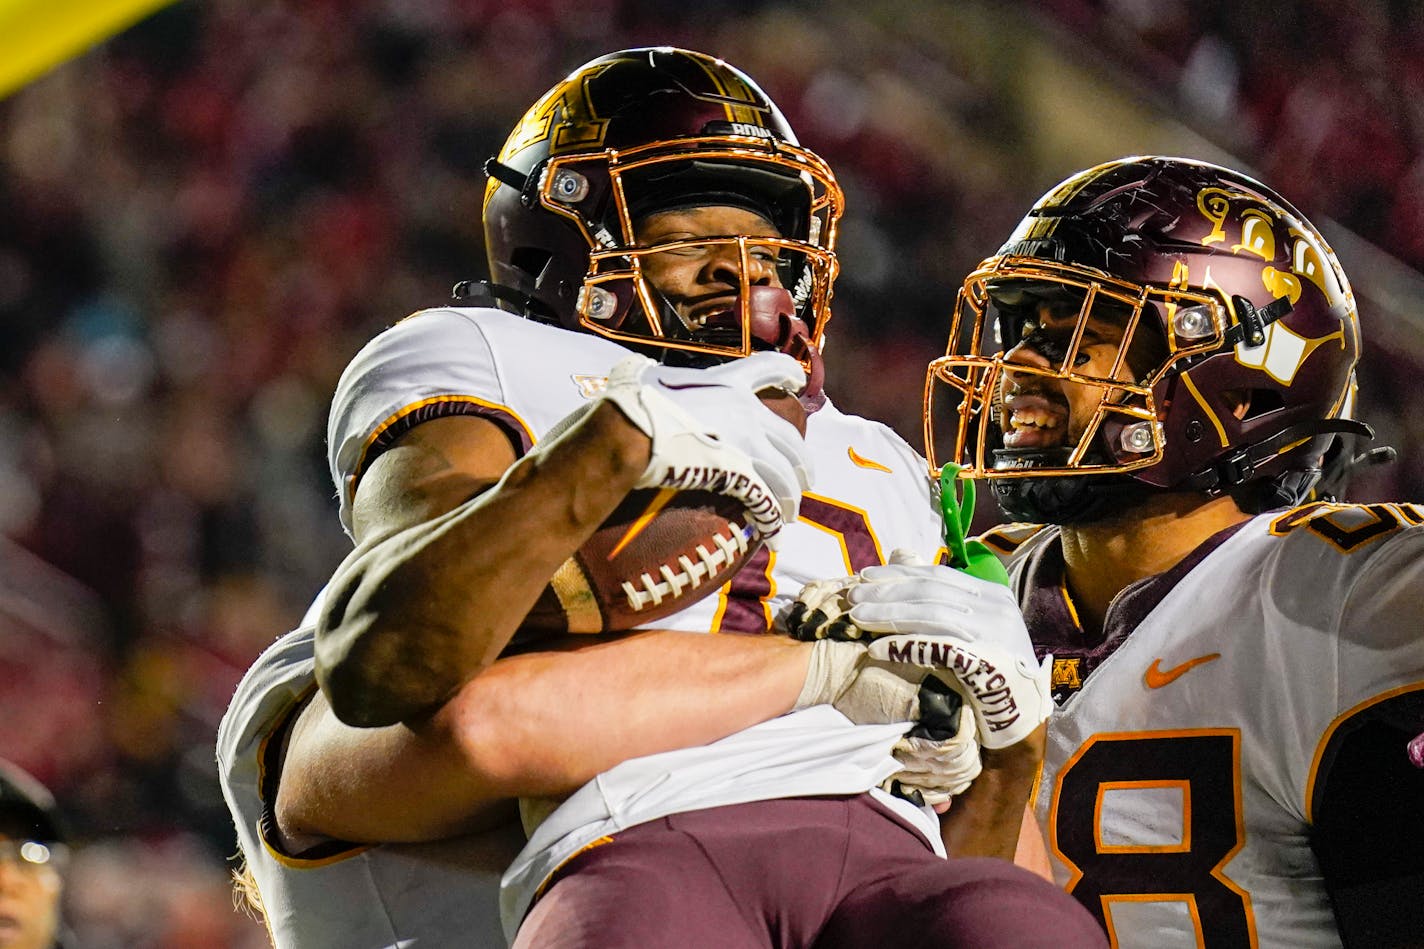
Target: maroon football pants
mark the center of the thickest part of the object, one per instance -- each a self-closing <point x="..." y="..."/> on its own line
<point x="828" y="873"/>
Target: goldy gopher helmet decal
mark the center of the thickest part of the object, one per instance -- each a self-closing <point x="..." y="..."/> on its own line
<point x="1235" y="369"/>
<point x="644" y="130"/>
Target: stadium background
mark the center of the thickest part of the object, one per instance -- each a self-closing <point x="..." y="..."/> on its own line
<point x="203" y="217"/>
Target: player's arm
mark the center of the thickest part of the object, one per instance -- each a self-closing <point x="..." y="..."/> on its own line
<point x="537" y="724"/>
<point x="986" y="820"/>
<point x="543" y="724"/>
<point x="1032" y="850"/>
<point x="456" y="539"/>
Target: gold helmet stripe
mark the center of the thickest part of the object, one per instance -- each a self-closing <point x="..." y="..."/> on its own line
<point x="732" y="89"/>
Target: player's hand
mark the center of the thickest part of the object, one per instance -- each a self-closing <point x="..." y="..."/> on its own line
<point x="939" y="754"/>
<point x="941" y="619"/>
<point x="937" y="762"/>
<point x="710" y="432"/>
<point x="1009" y="694"/>
<point x="822" y="609"/>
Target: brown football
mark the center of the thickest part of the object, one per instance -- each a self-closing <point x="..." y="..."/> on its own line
<point x="659" y="552"/>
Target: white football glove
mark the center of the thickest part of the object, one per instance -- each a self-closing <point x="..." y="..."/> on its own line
<point x="935" y="770"/>
<point x="939" y="754"/>
<point x="1009" y="695"/>
<point x="710" y="432"/>
<point x="943" y="619"/>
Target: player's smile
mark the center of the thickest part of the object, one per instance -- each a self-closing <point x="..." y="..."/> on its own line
<point x="703" y="311"/>
<point x="1038" y="408"/>
<point x="1033" y="418"/>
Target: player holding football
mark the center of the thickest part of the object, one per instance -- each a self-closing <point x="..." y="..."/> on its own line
<point x="1238" y="663"/>
<point x="655" y="200"/>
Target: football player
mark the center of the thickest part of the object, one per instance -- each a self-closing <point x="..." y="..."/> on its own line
<point x="655" y="201"/>
<point x="1158" y="369"/>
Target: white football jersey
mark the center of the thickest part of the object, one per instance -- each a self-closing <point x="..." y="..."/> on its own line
<point x="871" y="495"/>
<point x="1187" y="762"/>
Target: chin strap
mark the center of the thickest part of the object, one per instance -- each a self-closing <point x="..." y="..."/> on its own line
<point x="496" y="169"/>
<point x="1341" y="463"/>
<point x="1383" y="455"/>
<point x="1251" y="329"/>
<point x="1240" y="467"/>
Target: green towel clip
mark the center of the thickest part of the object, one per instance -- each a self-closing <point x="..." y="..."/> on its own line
<point x="956" y="502"/>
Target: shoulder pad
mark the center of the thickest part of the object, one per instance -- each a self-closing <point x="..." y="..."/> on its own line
<point x="1347" y="527"/>
<point x="1005" y="539"/>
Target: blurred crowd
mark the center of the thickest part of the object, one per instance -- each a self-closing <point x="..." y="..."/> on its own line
<point x="1327" y="99"/>
<point x="205" y="218"/>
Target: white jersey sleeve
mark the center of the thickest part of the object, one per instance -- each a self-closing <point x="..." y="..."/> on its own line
<point x="525" y="376"/>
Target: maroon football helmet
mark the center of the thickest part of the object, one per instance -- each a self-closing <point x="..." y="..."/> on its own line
<point x="1234" y="373"/>
<point x="644" y="130"/>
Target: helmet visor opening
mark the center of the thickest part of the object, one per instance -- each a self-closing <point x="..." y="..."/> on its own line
<point x="768" y="297"/>
<point x="778" y="195"/>
<point x="786" y="243"/>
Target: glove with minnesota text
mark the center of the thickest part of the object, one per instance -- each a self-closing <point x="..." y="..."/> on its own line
<point x="710" y="431"/>
<point x="939" y="755"/>
<point x="940" y="619"/>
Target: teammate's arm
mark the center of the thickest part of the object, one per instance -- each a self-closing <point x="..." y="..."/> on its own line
<point x="538" y="724"/>
<point x="455" y="541"/>
<point x="986" y="820"/>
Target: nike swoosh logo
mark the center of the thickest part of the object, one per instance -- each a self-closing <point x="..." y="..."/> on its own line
<point x="1156" y="676"/>
<point x="678" y="386"/>
<point x="860" y="461"/>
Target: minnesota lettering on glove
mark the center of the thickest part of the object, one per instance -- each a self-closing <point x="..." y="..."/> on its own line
<point x="710" y="432"/>
<point x="937" y="618"/>
<point x="939" y="754"/>
<point x="989" y="687"/>
<point x="761" y="507"/>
